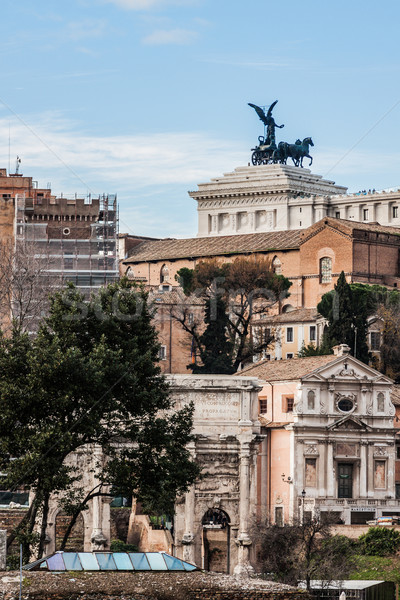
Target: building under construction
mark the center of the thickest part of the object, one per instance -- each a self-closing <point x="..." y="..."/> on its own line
<point x="77" y="236"/>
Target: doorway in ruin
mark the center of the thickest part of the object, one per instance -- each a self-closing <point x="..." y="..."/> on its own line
<point x="216" y="541"/>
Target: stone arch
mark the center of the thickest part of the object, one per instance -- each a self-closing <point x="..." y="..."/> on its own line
<point x="216" y="540"/>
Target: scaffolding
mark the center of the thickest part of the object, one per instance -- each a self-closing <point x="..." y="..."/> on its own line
<point x="78" y="236"/>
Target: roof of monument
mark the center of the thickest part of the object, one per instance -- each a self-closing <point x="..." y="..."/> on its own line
<point x="287" y="370"/>
<point x="214" y="246"/>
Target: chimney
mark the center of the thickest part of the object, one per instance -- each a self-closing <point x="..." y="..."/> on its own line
<point x="341" y="350"/>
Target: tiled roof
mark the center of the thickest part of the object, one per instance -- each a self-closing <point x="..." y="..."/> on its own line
<point x="287" y="370"/>
<point x="349" y="226"/>
<point x="214" y="246"/>
<point x="301" y="315"/>
<point x="395" y="395"/>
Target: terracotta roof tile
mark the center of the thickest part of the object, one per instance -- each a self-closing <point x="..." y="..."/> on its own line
<point x="395" y="395"/>
<point x="301" y="315"/>
<point x="214" y="246"/>
<point x="287" y="370"/>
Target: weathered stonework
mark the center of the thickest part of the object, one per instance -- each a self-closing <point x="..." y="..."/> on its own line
<point x="227" y="434"/>
<point x="3" y="549"/>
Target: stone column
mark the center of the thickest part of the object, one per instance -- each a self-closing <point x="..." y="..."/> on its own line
<point x="97" y="538"/>
<point x="3" y="549"/>
<point x="363" y="470"/>
<point x="188" y="536"/>
<point x="243" y="539"/>
<point x="331" y="482"/>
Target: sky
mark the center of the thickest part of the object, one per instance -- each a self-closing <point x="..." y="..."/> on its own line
<point x="148" y="98"/>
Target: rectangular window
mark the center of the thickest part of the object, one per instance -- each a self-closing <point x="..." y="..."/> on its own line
<point x="394" y="212"/>
<point x="310" y="472"/>
<point x="289" y="334"/>
<point x="313" y="330"/>
<point x="279" y="516"/>
<point x="365" y="214"/>
<point x="287" y="404"/>
<point x="337" y="215"/>
<point x="375" y="340"/>
<point x="162" y="354"/>
<point x="263" y="405"/>
<point x="397" y="491"/>
<point x="398" y="452"/>
<point x="289" y="355"/>
<point x="380" y="474"/>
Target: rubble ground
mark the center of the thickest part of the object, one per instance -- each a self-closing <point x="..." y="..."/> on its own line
<point x="130" y="586"/>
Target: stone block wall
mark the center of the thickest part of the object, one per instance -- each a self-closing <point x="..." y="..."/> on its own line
<point x="3" y="549"/>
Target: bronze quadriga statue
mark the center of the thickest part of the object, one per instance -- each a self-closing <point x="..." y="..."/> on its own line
<point x="268" y="152"/>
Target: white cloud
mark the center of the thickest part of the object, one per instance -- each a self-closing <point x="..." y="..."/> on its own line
<point x="171" y="36"/>
<point x="155" y="170"/>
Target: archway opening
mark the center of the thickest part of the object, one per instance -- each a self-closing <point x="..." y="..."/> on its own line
<point x="216" y="540"/>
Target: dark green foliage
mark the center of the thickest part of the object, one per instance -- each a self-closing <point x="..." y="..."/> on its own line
<point x="312" y="350"/>
<point x="185" y="278"/>
<point x="379" y="541"/>
<point x="91" y="377"/>
<point x="215" y="348"/>
<point x="347" y="308"/>
<point x="121" y="546"/>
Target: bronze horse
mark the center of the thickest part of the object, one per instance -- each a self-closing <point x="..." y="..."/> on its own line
<point x="296" y="152"/>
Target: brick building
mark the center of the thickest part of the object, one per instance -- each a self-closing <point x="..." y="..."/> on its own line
<point x="311" y="258"/>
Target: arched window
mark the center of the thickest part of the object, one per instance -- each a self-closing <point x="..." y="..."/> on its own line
<point x="277" y="266"/>
<point x="381" y="402"/>
<point x="287" y="308"/>
<point x="311" y="400"/>
<point x="325" y="269"/>
<point x="164" y="274"/>
<point x="129" y="273"/>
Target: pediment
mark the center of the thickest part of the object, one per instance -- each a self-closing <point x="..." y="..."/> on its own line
<point x="349" y="422"/>
<point x="347" y="368"/>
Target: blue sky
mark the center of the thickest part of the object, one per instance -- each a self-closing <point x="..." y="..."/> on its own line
<point x="146" y="98"/>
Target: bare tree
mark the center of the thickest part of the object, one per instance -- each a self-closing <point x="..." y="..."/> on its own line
<point x="246" y="286"/>
<point x="304" y="551"/>
<point x="26" y="279"/>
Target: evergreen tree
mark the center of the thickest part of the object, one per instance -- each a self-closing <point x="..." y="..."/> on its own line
<point x="215" y="348"/>
<point x="347" y="309"/>
<point x="90" y="377"/>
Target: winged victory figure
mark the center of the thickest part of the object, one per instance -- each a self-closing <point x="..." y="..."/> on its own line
<point x="269" y="122"/>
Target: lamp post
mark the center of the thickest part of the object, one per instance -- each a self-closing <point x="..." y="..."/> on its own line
<point x="303" y="495"/>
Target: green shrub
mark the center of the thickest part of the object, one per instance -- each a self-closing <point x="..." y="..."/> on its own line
<point x="12" y="562"/>
<point x="120" y="546"/>
<point x="379" y="541"/>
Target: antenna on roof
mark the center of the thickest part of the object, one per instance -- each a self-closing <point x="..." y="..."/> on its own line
<point x="17" y="163"/>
